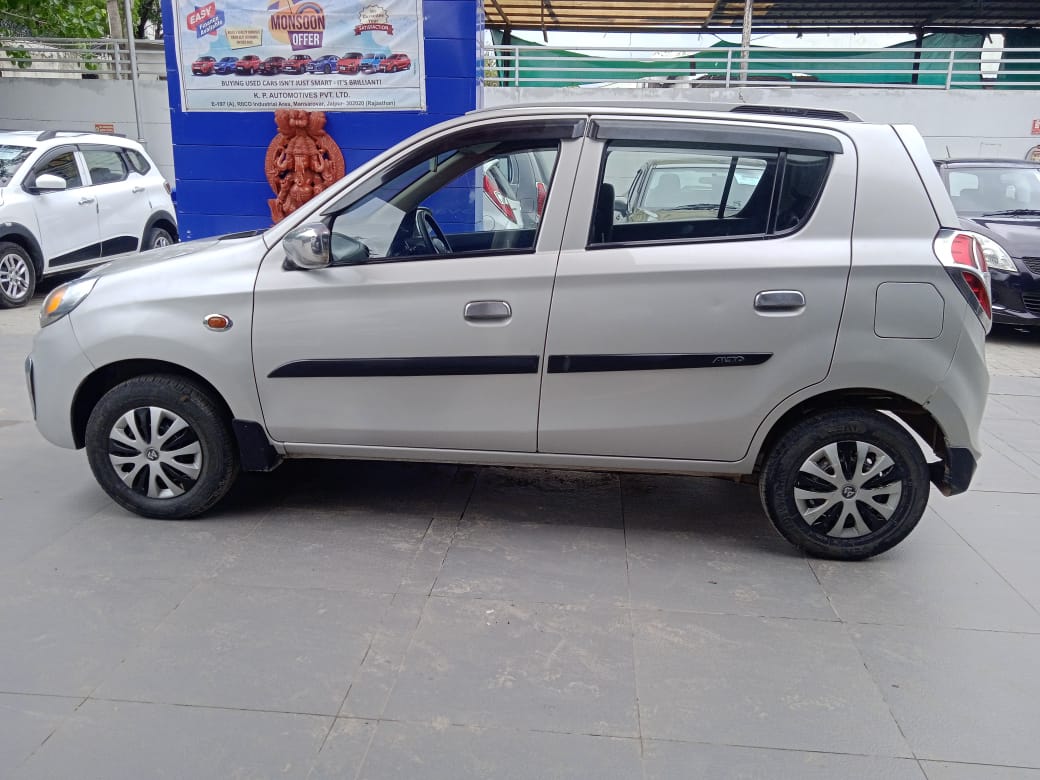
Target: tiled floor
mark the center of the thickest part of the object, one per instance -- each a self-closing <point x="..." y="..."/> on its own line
<point x="407" y="621"/>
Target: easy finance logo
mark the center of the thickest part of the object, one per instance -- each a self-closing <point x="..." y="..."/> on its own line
<point x="205" y="20"/>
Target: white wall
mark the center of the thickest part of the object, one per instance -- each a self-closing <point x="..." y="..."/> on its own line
<point x="76" y="104"/>
<point x="958" y="123"/>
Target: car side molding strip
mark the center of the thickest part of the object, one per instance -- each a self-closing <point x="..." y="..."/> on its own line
<point x="411" y="366"/>
<point x="579" y="364"/>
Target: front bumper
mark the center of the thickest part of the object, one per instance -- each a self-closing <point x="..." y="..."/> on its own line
<point x="1016" y="297"/>
<point x="58" y="368"/>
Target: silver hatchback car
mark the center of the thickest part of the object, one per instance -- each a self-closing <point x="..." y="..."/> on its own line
<point x="794" y="309"/>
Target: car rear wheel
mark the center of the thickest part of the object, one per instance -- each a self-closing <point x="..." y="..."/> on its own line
<point x="845" y="484"/>
<point x="157" y="237"/>
<point x="17" y="276"/>
<point x="160" y="447"/>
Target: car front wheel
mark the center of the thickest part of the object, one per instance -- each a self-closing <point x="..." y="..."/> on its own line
<point x="845" y="484"/>
<point x="17" y="276"/>
<point x="159" y="446"/>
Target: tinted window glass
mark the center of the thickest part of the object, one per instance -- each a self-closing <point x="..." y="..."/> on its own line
<point x="482" y="198"/>
<point x="682" y="191"/>
<point x="105" y="165"/>
<point x="137" y="161"/>
<point x="800" y="187"/>
<point x="64" y="166"/>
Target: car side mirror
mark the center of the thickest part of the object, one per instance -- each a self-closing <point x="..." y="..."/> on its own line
<point x="307" y="247"/>
<point x="347" y="250"/>
<point x="621" y="207"/>
<point x="48" y="182"/>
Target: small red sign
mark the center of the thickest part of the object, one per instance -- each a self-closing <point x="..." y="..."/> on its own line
<point x="105" y="127"/>
<point x="1036" y="127"/>
<point x="201" y="14"/>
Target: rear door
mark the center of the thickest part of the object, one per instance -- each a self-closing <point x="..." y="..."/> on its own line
<point x="677" y="324"/>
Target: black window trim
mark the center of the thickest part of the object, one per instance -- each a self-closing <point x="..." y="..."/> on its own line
<point x="45" y="159"/>
<point x="711" y="133"/>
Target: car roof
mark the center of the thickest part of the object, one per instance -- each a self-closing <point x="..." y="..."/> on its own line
<point x="1002" y="162"/>
<point x="801" y="115"/>
<point x="45" y="138"/>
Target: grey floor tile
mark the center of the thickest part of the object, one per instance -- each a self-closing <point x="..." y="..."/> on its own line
<point x="964" y="696"/>
<point x="667" y="760"/>
<point x="1013" y="385"/>
<point x="932" y="530"/>
<point x="761" y="682"/>
<point x="752" y="576"/>
<point x="701" y="506"/>
<point x="346" y="550"/>
<point x="937" y="770"/>
<point x="509" y="495"/>
<point x="115" y="544"/>
<point x="999" y="472"/>
<point x="253" y="648"/>
<point x="491" y="663"/>
<point x="106" y="740"/>
<point x="1019" y="567"/>
<point x="63" y="635"/>
<point x="535" y="562"/>
<point x="25" y="722"/>
<point x="407" y="750"/>
<point x="994" y="519"/>
<point x="344" y="750"/>
<point x="1022" y="434"/>
<point x="913" y="587"/>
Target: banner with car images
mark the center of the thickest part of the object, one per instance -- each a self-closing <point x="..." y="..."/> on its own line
<point x="332" y="55"/>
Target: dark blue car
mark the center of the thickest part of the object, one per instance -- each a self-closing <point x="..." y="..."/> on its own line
<point x="324" y="64"/>
<point x="225" y="65"/>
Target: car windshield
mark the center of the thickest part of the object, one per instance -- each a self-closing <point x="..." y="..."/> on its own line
<point x="978" y="191"/>
<point x="11" y="157"/>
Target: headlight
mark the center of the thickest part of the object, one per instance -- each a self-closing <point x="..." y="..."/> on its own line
<point x="64" y="299"/>
<point x="996" y="255"/>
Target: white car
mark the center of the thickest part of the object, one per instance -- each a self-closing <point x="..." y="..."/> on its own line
<point x="68" y="200"/>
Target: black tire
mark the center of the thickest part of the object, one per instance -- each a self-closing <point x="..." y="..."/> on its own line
<point x="17" y="276"/>
<point x="846" y="522"/>
<point x="176" y="397"/>
<point x="157" y="237"/>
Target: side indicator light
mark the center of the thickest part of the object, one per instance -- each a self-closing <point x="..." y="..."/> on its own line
<point x="217" y="322"/>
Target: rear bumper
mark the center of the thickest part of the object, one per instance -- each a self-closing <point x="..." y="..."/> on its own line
<point x="1016" y="298"/>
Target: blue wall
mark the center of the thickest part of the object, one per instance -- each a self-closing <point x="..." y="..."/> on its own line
<point x="219" y="157"/>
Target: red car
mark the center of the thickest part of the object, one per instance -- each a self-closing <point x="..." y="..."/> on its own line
<point x="203" y="66"/>
<point x="250" y="64"/>
<point x="297" y="64"/>
<point x="394" y="63"/>
<point x="272" y="66"/>
<point x="350" y="62"/>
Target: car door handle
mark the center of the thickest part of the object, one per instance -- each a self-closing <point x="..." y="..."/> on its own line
<point x="483" y="311"/>
<point x="779" y="300"/>
<point x="136" y="190"/>
<point x="84" y="201"/>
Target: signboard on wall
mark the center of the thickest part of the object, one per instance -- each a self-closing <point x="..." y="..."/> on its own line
<point x="332" y="55"/>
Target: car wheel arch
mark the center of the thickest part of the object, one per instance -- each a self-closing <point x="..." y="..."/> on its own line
<point x="913" y="415"/>
<point x="103" y="379"/>
<point x="163" y="220"/>
<point x="23" y="237"/>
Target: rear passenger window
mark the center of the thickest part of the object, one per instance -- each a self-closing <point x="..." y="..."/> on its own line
<point x="105" y="165"/>
<point x="137" y="161"/>
<point x="689" y="192"/>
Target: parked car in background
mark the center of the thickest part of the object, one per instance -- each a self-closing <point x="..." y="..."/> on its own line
<point x="350" y="62"/>
<point x="797" y="355"/>
<point x="327" y="63"/>
<point x="371" y="62"/>
<point x="298" y="64"/>
<point x="1000" y="199"/>
<point x="395" y="63"/>
<point x="249" y="65"/>
<point x="203" y="66"/>
<point x="70" y="200"/>
<point x="272" y="66"/>
<point x="225" y="65"/>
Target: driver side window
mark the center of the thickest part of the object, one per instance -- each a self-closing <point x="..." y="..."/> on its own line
<point x="484" y="198"/>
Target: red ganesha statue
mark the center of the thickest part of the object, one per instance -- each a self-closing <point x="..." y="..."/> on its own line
<point x="301" y="161"/>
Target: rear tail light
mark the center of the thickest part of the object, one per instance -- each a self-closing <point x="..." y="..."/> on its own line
<point x="496" y="198"/>
<point x="543" y="195"/>
<point x="961" y="253"/>
<point x="166" y="184"/>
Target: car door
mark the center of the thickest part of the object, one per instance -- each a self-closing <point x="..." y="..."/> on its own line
<point x="68" y="220"/>
<point x="435" y="339"/>
<point x="122" y="199"/>
<point x="673" y="331"/>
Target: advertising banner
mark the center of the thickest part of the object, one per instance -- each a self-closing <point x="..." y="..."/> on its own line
<point x="332" y="55"/>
